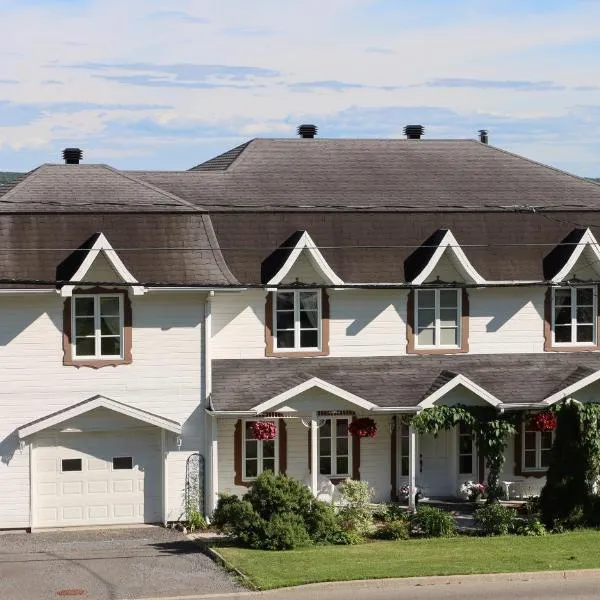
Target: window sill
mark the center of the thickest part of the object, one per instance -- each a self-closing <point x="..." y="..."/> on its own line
<point x="440" y="350"/>
<point x="534" y="472"/>
<point x="96" y="363"/>
<point x="573" y="348"/>
<point x="285" y="353"/>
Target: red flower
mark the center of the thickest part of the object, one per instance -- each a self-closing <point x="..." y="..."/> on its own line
<point x="544" y="421"/>
<point x="264" y="430"/>
<point x="363" y="427"/>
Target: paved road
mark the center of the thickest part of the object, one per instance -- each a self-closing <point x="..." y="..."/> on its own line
<point x="146" y="562"/>
<point x="538" y="586"/>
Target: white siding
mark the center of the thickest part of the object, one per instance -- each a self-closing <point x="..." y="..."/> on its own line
<point x="367" y="323"/>
<point x="445" y="271"/>
<point x="238" y="324"/>
<point x="506" y="320"/>
<point x="164" y="378"/>
<point x="375" y="460"/>
<point x="101" y="270"/>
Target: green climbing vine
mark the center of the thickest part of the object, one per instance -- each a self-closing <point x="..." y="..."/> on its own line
<point x="490" y="429"/>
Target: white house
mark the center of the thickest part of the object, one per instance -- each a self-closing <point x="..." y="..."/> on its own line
<point x="308" y="282"/>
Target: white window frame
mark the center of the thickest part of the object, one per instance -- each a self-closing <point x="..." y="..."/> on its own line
<point x="97" y="329"/>
<point x="259" y="452"/>
<point x="538" y="449"/>
<point x="333" y="448"/>
<point x="472" y="454"/>
<point x="573" y="290"/>
<point x="297" y="329"/>
<point x="437" y="326"/>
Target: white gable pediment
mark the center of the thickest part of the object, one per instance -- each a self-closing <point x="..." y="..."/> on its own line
<point x="449" y="258"/>
<point x="306" y="249"/>
<point x="102" y="263"/>
<point x="282" y="400"/>
<point x="584" y="262"/>
<point x="455" y="384"/>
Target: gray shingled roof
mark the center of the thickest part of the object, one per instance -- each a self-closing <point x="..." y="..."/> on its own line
<point x="321" y="174"/>
<point x="373" y="248"/>
<point x="86" y="188"/>
<point x="400" y="381"/>
<point x="166" y="248"/>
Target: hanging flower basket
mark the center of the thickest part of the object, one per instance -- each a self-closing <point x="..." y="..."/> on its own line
<point x="544" y="421"/>
<point x="264" y="430"/>
<point x="363" y="427"/>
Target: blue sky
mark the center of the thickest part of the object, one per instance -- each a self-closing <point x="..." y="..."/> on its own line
<point x="141" y="86"/>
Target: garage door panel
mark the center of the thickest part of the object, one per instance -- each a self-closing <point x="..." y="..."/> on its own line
<point x="92" y="488"/>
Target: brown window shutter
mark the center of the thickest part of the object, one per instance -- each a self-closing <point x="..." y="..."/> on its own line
<point x="548" y="320"/>
<point x="237" y="454"/>
<point x="282" y="433"/>
<point x="518" y="462"/>
<point x="355" y="456"/>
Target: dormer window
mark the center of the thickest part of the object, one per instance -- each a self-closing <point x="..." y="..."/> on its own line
<point x="574" y="311"/>
<point x="297" y="320"/>
<point x="97" y="326"/>
<point x="437" y="318"/>
<point x="297" y="323"/>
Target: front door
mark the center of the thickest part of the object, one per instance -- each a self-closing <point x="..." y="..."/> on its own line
<point x="435" y="473"/>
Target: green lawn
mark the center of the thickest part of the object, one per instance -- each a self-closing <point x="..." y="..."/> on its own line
<point x="411" y="558"/>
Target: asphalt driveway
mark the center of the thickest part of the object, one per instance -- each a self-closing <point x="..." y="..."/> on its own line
<point x="147" y="562"/>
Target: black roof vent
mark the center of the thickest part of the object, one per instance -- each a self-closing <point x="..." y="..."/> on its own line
<point x="483" y="136"/>
<point x="72" y="156"/>
<point x="414" y="132"/>
<point x="307" y="131"/>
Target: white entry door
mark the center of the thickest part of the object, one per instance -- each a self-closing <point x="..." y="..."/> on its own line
<point x="97" y="478"/>
<point x="435" y="472"/>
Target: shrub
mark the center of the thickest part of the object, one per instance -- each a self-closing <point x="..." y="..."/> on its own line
<point x="278" y="513"/>
<point x="238" y="519"/>
<point x="395" y="512"/>
<point x="324" y="526"/>
<point x="399" y="529"/>
<point x="433" y="522"/>
<point x="532" y="526"/>
<point x="356" y="515"/>
<point x="285" y="531"/>
<point x="495" y="519"/>
<point x="195" y="520"/>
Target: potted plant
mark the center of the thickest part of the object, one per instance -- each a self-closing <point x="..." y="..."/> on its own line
<point x="543" y="421"/>
<point x="473" y="491"/>
<point x="363" y="427"/>
<point x="264" y="430"/>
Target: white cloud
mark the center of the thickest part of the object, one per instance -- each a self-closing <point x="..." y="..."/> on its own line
<point x="337" y="42"/>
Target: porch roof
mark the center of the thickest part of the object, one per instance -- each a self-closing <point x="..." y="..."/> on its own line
<point x="403" y="381"/>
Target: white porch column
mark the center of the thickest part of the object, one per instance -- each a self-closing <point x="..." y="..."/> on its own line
<point x="412" y="467"/>
<point x="213" y="466"/>
<point x="314" y="458"/>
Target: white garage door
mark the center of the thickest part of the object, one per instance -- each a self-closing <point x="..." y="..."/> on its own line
<point x="97" y="478"/>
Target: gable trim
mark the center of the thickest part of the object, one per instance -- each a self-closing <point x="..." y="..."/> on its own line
<point x="430" y="400"/>
<point x="587" y="241"/>
<point x="104" y="246"/>
<point x="315" y="382"/>
<point x="574" y="387"/>
<point x="316" y="258"/>
<point x="449" y="243"/>
<point x="97" y="402"/>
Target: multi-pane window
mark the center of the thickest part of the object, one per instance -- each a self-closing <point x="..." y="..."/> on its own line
<point x="404" y="449"/>
<point x="536" y="448"/>
<point x="97" y="326"/>
<point x="437" y="318"/>
<point x="465" y="449"/>
<point x="259" y="455"/>
<point x="297" y="318"/>
<point x="573" y="315"/>
<point x="335" y="449"/>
